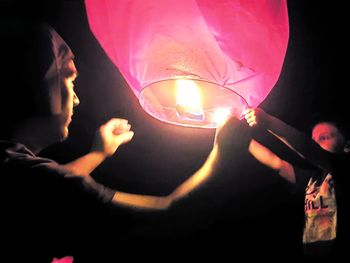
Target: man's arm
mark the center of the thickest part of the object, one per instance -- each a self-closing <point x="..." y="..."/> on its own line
<point x="203" y="174"/>
<point x="294" y="139"/>
<point x="271" y="160"/>
<point x="142" y="201"/>
<point x="107" y="140"/>
<point x="116" y="132"/>
<point x="85" y="164"/>
<point x="158" y="202"/>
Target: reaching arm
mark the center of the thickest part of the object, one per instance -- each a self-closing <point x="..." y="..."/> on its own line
<point x="294" y="139"/>
<point x="85" y="164"/>
<point x="205" y="172"/>
<point x="107" y="140"/>
<point x="230" y="136"/>
<point x="268" y="158"/>
<point x="141" y="201"/>
<point x="158" y="202"/>
<point x="117" y="132"/>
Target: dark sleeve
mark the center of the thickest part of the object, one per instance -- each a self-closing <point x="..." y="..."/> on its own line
<point x="58" y="178"/>
<point x="88" y="184"/>
<point x="58" y="208"/>
<point x="298" y="141"/>
<point x="302" y="177"/>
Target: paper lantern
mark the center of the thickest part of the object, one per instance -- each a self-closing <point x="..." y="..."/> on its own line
<point x="191" y="61"/>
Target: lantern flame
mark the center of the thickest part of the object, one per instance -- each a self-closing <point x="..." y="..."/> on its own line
<point x="188" y="101"/>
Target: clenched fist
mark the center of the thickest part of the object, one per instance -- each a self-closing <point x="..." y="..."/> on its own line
<point x="111" y="135"/>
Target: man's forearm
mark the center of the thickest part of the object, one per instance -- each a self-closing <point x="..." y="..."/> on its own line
<point x="296" y="140"/>
<point x="86" y="164"/>
<point x="138" y="201"/>
<point x="199" y="177"/>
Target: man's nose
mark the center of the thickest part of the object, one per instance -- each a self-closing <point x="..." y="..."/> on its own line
<point x="76" y="100"/>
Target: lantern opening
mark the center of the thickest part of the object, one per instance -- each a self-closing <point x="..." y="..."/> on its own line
<point x="190" y="102"/>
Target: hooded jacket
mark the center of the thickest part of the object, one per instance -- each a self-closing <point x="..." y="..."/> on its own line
<point x="33" y="56"/>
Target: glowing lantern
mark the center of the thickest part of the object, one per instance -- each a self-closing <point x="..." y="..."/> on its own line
<point x="193" y="62"/>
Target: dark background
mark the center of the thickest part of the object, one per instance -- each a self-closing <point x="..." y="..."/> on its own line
<point x="247" y="209"/>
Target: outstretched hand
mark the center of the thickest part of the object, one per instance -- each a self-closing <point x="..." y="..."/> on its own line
<point x="111" y="135"/>
<point x="251" y="116"/>
<point x="224" y="130"/>
<point x="256" y="117"/>
<point x="231" y="135"/>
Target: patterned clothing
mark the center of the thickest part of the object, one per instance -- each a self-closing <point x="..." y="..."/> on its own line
<point x="325" y="226"/>
<point x="320" y="210"/>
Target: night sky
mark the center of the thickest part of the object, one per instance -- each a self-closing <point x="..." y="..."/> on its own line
<point x="247" y="208"/>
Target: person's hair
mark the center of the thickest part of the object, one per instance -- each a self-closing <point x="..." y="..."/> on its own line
<point x="32" y="56"/>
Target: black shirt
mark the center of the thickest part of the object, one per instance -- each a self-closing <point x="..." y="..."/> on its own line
<point x="47" y="211"/>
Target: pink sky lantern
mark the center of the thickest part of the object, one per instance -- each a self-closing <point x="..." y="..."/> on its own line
<point x="193" y="62"/>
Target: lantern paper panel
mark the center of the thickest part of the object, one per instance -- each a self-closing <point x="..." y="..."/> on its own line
<point x="190" y="62"/>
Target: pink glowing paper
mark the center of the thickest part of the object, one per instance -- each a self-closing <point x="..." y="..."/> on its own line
<point x="67" y="259"/>
<point x="233" y="50"/>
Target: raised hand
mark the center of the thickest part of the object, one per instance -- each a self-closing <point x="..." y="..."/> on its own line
<point x="251" y="116"/>
<point x="111" y="135"/>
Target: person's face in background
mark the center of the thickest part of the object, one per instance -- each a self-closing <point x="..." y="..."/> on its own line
<point x="328" y="136"/>
<point x="69" y="97"/>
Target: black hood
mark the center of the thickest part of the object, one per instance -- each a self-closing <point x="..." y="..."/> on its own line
<point x="33" y="56"/>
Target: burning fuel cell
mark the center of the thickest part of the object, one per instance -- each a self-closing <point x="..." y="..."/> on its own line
<point x="188" y="101"/>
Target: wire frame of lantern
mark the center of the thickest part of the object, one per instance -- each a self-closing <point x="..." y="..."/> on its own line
<point x="194" y="62"/>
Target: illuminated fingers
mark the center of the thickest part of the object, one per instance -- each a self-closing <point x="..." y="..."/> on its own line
<point x="116" y="123"/>
<point x="121" y="129"/>
<point x="249" y="115"/>
<point x="247" y="111"/>
<point x="252" y="121"/>
<point x="125" y="137"/>
<point x="117" y="126"/>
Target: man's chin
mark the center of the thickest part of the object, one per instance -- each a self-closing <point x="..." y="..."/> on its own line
<point x="64" y="134"/>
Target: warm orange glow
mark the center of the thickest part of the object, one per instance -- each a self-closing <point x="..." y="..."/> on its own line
<point x="188" y="100"/>
<point x="188" y="94"/>
<point x="221" y="115"/>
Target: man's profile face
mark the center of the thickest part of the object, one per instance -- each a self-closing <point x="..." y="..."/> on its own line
<point x="328" y="137"/>
<point x="69" y="97"/>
